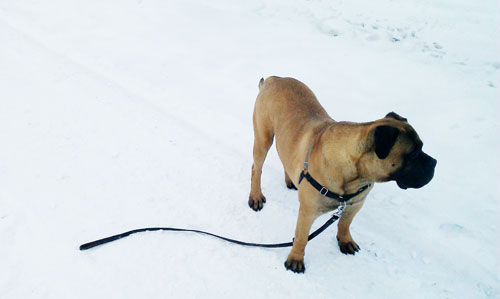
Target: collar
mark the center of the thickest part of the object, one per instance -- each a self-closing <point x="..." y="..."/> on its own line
<point x="322" y="189"/>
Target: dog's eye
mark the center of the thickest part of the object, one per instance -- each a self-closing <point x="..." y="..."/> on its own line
<point x="415" y="154"/>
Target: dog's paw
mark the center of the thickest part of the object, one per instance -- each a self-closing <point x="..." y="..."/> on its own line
<point x="349" y="247"/>
<point x="256" y="203"/>
<point x="290" y="185"/>
<point x="294" y="265"/>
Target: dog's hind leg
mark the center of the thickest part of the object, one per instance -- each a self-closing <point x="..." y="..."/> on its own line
<point x="263" y="139"/>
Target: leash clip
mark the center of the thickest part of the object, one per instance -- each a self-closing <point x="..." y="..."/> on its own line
<point x="340" y="210"/>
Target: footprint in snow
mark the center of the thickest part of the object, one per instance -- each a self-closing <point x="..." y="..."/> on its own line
<point x="452" y="229"/>
<point x="437" y="46"/>
<point x="327" y="26"/>
<point x="433" y="50"/>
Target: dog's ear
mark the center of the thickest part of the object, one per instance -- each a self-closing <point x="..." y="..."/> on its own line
<point x="396" y="116"/>
<point x="384" y="139"/>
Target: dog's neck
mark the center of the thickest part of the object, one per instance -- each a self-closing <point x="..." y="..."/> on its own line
<point x="337" y="166"/>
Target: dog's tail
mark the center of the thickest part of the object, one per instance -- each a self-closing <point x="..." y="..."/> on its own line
<point x="261" y="83"/>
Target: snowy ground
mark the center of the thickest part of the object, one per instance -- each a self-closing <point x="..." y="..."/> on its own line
<point x="116" y="115"/>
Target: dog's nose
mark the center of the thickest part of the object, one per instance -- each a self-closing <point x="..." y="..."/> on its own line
<point x="431" y="162"/>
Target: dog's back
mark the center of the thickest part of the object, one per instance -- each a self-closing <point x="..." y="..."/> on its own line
<point x="295" y="102"/>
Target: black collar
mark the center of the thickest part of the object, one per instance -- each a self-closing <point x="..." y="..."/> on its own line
<point x="322" y="189"/>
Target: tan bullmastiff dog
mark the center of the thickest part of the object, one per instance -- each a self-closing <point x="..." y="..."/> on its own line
<point x="345" y="158"/>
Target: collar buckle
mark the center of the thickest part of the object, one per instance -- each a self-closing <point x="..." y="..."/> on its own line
<point x="323" y="191"/>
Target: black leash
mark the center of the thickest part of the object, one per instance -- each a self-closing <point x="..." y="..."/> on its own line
<point x="304" y="174"/>
<point x="336" y="215"/>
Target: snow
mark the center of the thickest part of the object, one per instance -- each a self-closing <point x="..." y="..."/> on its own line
<point x="116" y="115"/>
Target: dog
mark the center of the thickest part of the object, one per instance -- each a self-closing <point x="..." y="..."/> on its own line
<point x="344" y="158"/>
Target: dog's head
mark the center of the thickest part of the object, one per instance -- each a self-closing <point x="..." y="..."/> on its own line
<point x="397" y="152"/>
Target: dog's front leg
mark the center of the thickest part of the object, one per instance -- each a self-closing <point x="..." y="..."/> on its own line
<point x="344" y="238"/>
<point x="295" y="260"/>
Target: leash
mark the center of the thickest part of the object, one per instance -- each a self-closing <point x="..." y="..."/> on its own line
<point x="304" y="174"/>
<point x="336" y="215"/>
